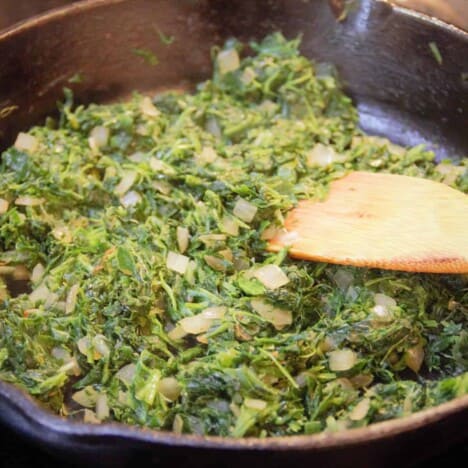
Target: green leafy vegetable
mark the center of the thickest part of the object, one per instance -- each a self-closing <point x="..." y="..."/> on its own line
<point x="142" y="227"/>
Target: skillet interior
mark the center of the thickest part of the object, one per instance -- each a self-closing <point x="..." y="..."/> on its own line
<point x="402" y="92"/>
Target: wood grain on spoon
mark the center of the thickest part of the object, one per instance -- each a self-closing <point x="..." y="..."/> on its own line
<point x="383" y="221"/>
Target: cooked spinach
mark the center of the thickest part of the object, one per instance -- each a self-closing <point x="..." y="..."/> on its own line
<point x="142" y="227"/>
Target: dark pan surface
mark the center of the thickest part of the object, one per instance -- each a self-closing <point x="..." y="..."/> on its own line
<point x="402" y="92"/>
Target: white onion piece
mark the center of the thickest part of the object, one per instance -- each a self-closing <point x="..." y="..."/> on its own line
<point x="229" y="226"/>
<point x="216" y="263"/>
<point x="162" y="186"/>
<point x="138" y="157"/>
<point x="61" y="354"/>
<point x="128" y="179"/>
<point x="29" y="201"/>
<point x="90" y="417"/>
<point x="100" y="345"/>
<point x="62" y="234"/>
<point x="196" y="324"/>
<point x="245" y="210"/>
<point x="177" y="262"/>
<point x="86" y="397"/>
<point x="178" y="424"/>
<point x="383" y="309"/>
<point x="271" y="276"/>
<point x="255" y="403"/>
<point x="98" y="137"/>
<point x="84" y="345"/>
<point x="169" y="388"/>
<point x="126" y="374"/>
<point x="102" y="407"/>
<point x="183" y="237"/>
<point x="41" y="293"/>
<point x="278" y="317"/>
<point x="207" y="155"/>
<point x="70" y="301"/>
<point x="26" y="142"/>
<point x="360" y="410"/>
<point x="321" y="155"/>
<point x="228" y="60"/>
<point x="148" y="108"/>
<point x="177" y="333"/>
<point x="342" y="359"/>
<point x="414" y="357"/>
<point x="212" y="126"/>
<point x="131" y="198"/>
<point x="343" y="279"/>
<point x="3" y="206"/>
<point x="248" y="75"/>
<point x="215" y="312"/>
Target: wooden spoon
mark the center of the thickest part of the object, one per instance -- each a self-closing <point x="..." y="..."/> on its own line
<point x="383" y="221"/>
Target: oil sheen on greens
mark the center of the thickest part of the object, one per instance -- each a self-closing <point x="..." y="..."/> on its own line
<point x="152" y="300"/>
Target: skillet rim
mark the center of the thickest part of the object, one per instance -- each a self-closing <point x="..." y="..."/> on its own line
<point x="34" y="415"/>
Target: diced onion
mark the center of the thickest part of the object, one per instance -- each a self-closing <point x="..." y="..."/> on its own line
<point x="278" y="317"/>
<point x="211" y="239"/>
<point x="343" y="279"/>
<point x="84" y="345"/>
<point x="26" y="142"/>
<point x="86" y="397"/>
<point x="216" y="263"/>
<point x="244" y="210"/>
<point x="212" y="126"/>
<point x="271" y="276"/>
<point x="102" y="407"/>
<point x="29" y="201"/>
<point x="227" y="254"/>
<point x="207" y="155"/>
<point x="90" y="417"/>
<point x="414" y="357"/>
<point x="131" y="198"/>
<point x="321" y="155"/>
<point x="383" y="309"/>
<point x="128" y="179"/>
<point x="229" y="226"/>
<point x="62" y="234"/>
<point x="98" y="137"/>
<point x="100" y="345"/>
<point x="177" y="333"/>
<point x="195" y="324"/>
<point x="138" y="157"/>
<point x="360" y="410"/>
<point x="162" y="187"/>
<point x="228" y="61"/>
<point x="41" y="293"/>
<point x="177" y="262"/>
<point x="183" y="237"/>
<point x="148" y="108"/>
<point x="255" y="403"/>
<point x="342" y="359"/>
<point x="3" y="205"/>
<point x="178" y="424"/>
<point x="126" y="374"/>
<point x="248" y="75"/>
<point x="70" y="301"/>
<point x="61" y="354"/>
<point x="215" y="312"/>
<point x="169" y="388"/>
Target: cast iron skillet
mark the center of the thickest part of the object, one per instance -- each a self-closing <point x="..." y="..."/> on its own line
<point x="402" y="92"/>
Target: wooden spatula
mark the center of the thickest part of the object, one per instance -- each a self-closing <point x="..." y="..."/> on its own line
<point x="384" y="221"/>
